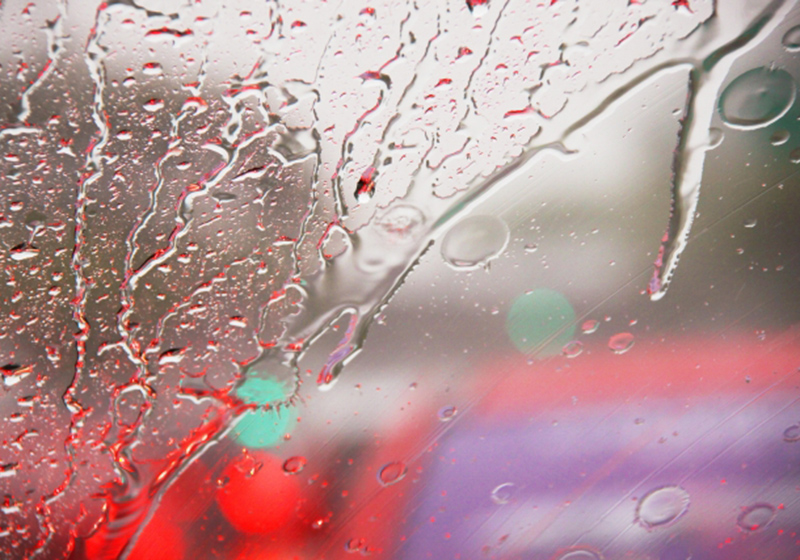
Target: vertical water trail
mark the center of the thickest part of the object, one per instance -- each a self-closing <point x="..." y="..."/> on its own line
<point x="705" y="82"/>
<point x="94" y="55"/>
<point x="55" y="47"/>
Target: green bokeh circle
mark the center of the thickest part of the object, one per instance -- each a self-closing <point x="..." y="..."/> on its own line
<point x="540" y="321"/>
<point x="262" y="428"/>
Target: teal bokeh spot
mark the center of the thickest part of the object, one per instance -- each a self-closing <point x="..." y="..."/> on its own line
<point x="540" y="321"/>
<point x="261" y="428"/>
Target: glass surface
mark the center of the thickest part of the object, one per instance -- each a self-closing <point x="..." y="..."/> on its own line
<point x="449" y="280"/>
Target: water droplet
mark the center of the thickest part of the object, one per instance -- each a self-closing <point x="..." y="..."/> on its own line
<point x="531" y="248"/>
<point x="503" y="493"/>
<point x="35" y="220"/>
<point x="222" y="196"/>
<point x="354" y="544"/>
<point x="293" y="465"/>
<point x="791" y="40"/>
<point x="392" y="473"/>
<point x="757" y="98"/>
<point x="23" y="252"/>
<point x="792" y="433"/>
<point x="366" y="186"/>
<point x="154" y="105"/>
<point x="621" y="342"/>
<point x="474" y="241"/>
<point x="580" y="554"/>
<point x="779" y="137"/>
<point x="794" y="155"/>
<point x="478" y="7"/>
<point x="572" y="349"/>
<point x="715" y="137"/>
<point x="152" y="69"/>
<point x="590" y="326"/>
<point x="401" y="223"/>
<point x="662" y="507"/>
<point x="750" y="223"/>
<point x="756" y="517"/>
<point x="447" y="413"/>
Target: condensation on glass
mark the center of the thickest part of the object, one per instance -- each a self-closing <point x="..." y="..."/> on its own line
<point x="455" y="279"/>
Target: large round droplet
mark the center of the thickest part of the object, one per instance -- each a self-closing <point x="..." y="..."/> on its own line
<point x="447" y="413"/>
<point x="792" y="433"/>
<point x="355" y="544"/>
<point x="475" y="241"/>
<point x="756" y="517"/>
<point x="541" y="321"/>
<point x="392" y="473"/>
<point x="580" y="554"/>
<point x="294" y="465"/>
<point x="757" y="98"/>
<point x="503" y="493"/>
<point x="791" y="40"/>
<point x="401" y="223"/>
<point x="621" y="342"/>
<point x="572" y="349"/>
<point x="662" y="507"/>
<point x="779" y="137"/>
<point x="589" y="326"/>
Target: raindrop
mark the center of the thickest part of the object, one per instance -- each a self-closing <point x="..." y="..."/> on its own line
<point x="756" y="517"/>
<point x="757" y="98"/>
<point x="401" y="223"/>
<point x="154" y="105"/>
<point x="572" y="349"/>
<point x="503" y="493"/>
<point x="474" y="241"/>
<point x="152" y="69"/>
<point x="792" y="433"/>
<point x="662" y="507"/>
<point x="580" y="554"/>
<point x="366" y="186"/>
<point x="35" y="220"/>
<point x="779" y="137"/>
<point x="715" y="138"/>
<point x="293" y="465"/>
<point x="590" y="326"/>
<point x="23" y="252"/>
<point x="222" y="196"/>
<point x="13" y="374"/>
<point x="392" y="473"/>
<point x="791" y="40"/>
<point x="750" y="223"/>
<point x="354" y="544"/>
<point x="621" y="342"/>
<point x="447" y="413"/>
<point x="794" y="155"/>
<point x="531" y="248"/>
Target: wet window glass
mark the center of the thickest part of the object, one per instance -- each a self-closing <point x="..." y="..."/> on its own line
<point x="459" y="279"/>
